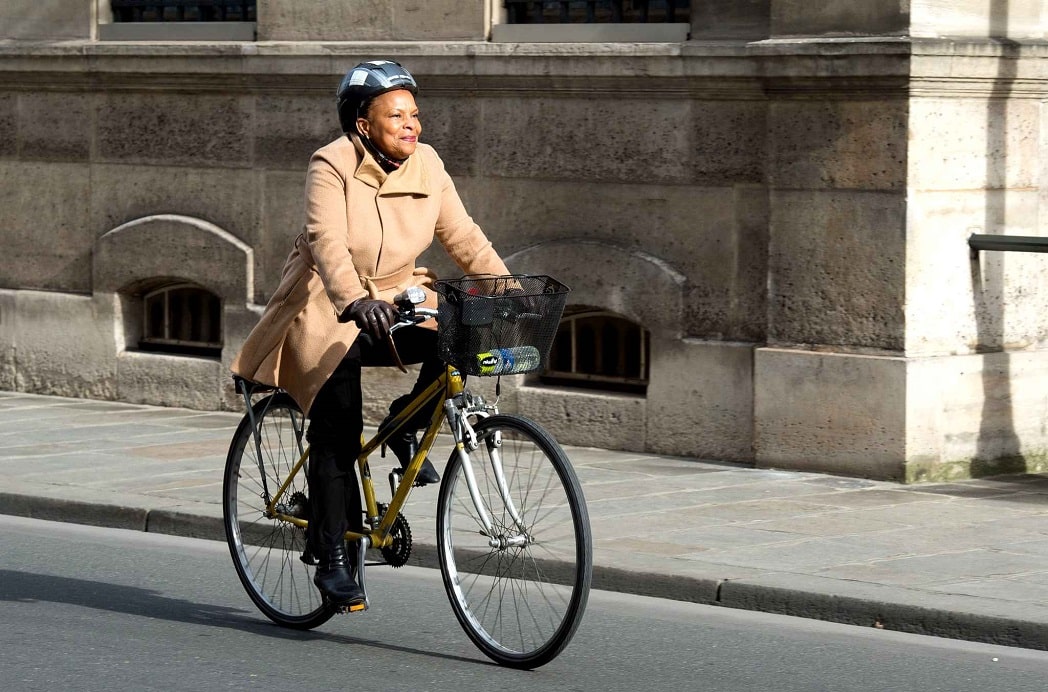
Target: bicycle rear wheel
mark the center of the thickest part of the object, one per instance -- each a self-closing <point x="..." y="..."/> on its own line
<point x="265" y="550"/>
<point x="519" y="594"/>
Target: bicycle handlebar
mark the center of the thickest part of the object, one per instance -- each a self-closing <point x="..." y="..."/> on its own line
<point x="409" y="313"/>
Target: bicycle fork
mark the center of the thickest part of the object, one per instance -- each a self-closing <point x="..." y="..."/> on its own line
<point x="465" y="437"/>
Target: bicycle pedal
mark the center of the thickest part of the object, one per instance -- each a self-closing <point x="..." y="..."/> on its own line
<point x="352" y="607"/>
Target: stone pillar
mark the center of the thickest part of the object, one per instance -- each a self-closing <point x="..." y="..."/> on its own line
<point x="892" y="352"/>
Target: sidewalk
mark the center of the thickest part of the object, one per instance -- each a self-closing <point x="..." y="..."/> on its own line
<point x="966" y="560"/>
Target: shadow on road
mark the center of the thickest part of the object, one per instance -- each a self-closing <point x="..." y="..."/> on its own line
<point x="131" y="600"/>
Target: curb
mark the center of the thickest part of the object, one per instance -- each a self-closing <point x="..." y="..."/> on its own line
<point x="869" y="607"/>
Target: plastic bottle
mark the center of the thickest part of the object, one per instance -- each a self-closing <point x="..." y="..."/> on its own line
<point x="509" y="361"/>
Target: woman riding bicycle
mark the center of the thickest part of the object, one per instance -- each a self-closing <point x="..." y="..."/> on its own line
<point x="375" y="199"/>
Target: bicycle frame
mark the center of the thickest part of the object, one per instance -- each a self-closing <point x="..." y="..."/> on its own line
<point x="449" y="387"/>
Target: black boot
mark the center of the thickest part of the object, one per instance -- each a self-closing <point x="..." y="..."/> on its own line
<point x="405" y="447"/>
<point x="335" y="580"/>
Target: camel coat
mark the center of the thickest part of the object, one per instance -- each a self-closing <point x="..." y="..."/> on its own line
<point x="364" y="232"/>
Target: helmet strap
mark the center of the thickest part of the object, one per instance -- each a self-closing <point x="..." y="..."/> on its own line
<point x="387" y="163"/>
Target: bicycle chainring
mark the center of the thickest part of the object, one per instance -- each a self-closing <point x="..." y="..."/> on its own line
<point x="398" y="551"/>
<point x="298" y="505"/>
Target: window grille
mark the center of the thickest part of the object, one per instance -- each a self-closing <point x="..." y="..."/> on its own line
<point x="599" y="350"/>
<point x="598" y="11"/>
<point x="183" y="10"/>
<point x="182" y="318"/>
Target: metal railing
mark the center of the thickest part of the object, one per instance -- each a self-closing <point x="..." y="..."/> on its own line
<point x="1007" y="243"/>
<point x="183" y="10"/>
<point x="597" y="11"/>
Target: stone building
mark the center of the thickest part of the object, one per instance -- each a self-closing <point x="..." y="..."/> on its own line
<point x="762" y="207"/>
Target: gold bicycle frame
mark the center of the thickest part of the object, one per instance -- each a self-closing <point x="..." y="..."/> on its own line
<point x="447" y="386"/>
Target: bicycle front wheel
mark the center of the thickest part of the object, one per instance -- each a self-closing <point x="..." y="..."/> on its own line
<point x="266" y="550"/>
<point x="519" y="591"/>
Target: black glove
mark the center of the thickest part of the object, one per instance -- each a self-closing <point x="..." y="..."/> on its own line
<point x="371" y="315"/>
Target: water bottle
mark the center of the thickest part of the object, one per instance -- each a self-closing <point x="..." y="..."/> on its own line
<point x="509" y="361"/>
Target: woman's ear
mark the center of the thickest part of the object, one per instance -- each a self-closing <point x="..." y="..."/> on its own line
<point x="363" y="127"/>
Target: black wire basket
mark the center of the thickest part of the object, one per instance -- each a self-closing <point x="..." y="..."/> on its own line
<point x="501" y="325"/>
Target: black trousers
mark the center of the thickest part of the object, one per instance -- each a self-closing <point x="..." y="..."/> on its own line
<point x="336" y="422"/>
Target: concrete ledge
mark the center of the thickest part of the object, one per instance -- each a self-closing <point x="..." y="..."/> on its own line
<point x="676" y="587"/>
<point x="1007" y="623"/>
<point x="74" y="512"/>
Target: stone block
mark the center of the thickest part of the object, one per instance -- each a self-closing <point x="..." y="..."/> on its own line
<point x="55" y="126"/>
<point x="730" y="140"/>
<point x="170" y="129"/>
<point x="63" y="344"/>
<point x="8" y="340"/>
<point x="289" y="128"/>
<point x="653" y="140"/>
<point x="451" y="125"/>
<point x="749" y="298"/>
<point x="364" y="20"/>
<point x="232" y="199"/>
<point x="836" y="266"/>
<point x="676" y="223"/>
<point x="700" y="400"/>
<point x="891" y="418"/>
<point x="728" y="299"/>
<point x="830" y="413"/>
<point x="1018" y="19"/>
<point x="586" y="419"/>
<point x="589" y="140"/>
<point x="974" y="144"/>
<point x="976" y="415"/>
<point x="8" y="124"/>
<point x="439" y="20"/>
<point x="167" y="380"/>
<point x="838" y="144"/>
<point x="731" y="19"/>
<point x="45" y="20"/>
<point x="283" y="218"/>
<point x="47" y="241"/>
<point x="957" y="302"/>
<point x="326" y="20"/>
<point x="838" y="17"/>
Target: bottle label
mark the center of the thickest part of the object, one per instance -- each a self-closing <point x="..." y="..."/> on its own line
<point x="487" y="362"/>
<point x="508" y="361"/>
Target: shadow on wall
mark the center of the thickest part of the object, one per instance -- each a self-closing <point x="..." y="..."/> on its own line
<point x="998" y="449"/>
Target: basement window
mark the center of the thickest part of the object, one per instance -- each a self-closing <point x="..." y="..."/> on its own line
<point x="183" y="319"/>
<point x="596" y="349"/>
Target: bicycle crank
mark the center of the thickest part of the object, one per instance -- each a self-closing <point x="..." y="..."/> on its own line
<point x="398" y="551"/>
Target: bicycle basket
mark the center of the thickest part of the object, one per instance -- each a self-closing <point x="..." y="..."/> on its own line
<point x="498" y="325"/>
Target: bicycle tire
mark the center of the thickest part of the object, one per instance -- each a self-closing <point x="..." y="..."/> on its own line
<point x="520" y="604"/>
<point x="266" y="551"/>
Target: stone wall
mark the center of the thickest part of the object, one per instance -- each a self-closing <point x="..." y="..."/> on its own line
<point x="783" y="202"/>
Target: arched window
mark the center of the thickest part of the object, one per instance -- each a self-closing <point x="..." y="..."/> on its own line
<point x="597" y="349"/>
<point x="182" y="318"/>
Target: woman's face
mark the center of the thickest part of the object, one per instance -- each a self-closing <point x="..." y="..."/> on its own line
<point x="392" y="123"/>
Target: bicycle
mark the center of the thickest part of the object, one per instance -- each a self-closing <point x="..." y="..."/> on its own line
<point x="513" y="537"/>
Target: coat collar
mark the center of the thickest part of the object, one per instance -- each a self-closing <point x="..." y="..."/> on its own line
<point x="409" y="179"/>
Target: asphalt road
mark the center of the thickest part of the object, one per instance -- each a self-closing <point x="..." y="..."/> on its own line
<point x="85" y="608"/>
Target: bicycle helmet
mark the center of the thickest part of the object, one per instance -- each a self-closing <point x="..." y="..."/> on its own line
<point x="366" y="81"/>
